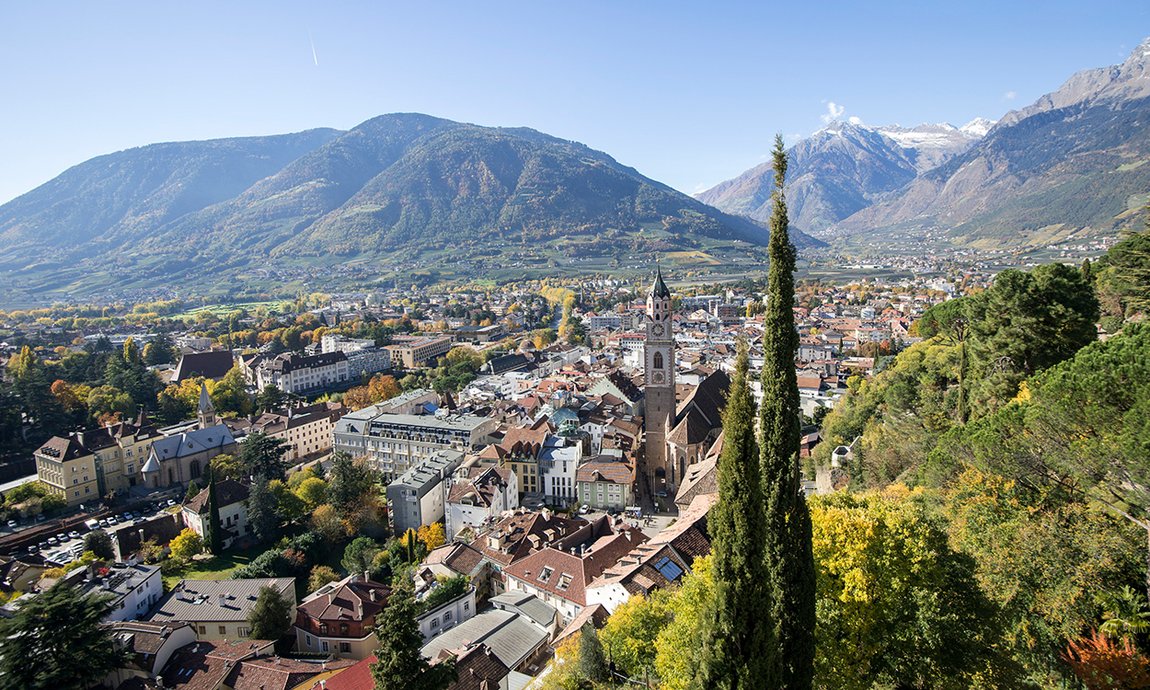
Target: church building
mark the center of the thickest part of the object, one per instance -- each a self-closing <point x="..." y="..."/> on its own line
<point x="182" y="457"/>
<point x="677" y="434"/>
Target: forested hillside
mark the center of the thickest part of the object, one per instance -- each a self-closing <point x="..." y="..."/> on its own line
<point x="1024" y="440"/>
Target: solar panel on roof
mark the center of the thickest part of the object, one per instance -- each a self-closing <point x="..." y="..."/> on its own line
<point x="669" y="569"/>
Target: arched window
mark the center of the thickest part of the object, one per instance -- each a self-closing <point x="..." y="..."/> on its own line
<point x="657" y="361"/>
<point x="194" y="469"/>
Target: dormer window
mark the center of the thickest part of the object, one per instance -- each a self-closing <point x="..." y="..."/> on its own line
<point x="545" y="576"/>
<point x="564" y="581"/>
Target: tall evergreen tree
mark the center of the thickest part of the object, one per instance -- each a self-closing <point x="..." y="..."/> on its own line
<point x="215" y="540"/>
<point x="789" y="560"/>
<point x="739" y="649"/>
<point x="592" y="663"/>
<point x="400" y="665"/>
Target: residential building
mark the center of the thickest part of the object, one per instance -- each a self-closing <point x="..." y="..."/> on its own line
<point x="68" y="469"/>
<point x="416" y="498"/>
<point x="339" y="618"/>
<point x="241" y="665"/>
<point x="149" y="647"/>
<point x="559" y="574"/>
<point x="232" y="499"/>
<point x="396" y="442"/>
<point x="515" y="639"/>
<point x="217" y="609"/>
<point x="134" y="588"/>
<point x="418" y="352"/>
<point x="95" y="463"/>
<point x="522" y="447"/>
<point x="558" y="465"/>
<point x="644" y="569"/>
<point x="476" y="495"/>
<point x="307" y="429"/>
<point x="447" y="615"/>
<point x="299" y="374"/>
<point x="606" y="483"/>
<point x="476" y="668"/>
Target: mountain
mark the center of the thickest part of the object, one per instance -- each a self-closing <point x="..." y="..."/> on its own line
<point x="844" y="168"/>
<point x="398" y="195"/>
<point x="1071" y="165"/>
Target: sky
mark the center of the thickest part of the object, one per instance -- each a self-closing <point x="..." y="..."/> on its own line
<point x="688" y="93"/>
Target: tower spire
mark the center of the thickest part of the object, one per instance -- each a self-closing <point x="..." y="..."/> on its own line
<point x="207" y="411"/>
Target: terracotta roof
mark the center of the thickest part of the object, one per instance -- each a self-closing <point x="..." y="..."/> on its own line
<point x="350" y="599"/>
<point x="511" y="538"/>
<point x="566" y="575"/>
<point x="597" y="614"/>
<point x="606" y="469"/>
<point x="355" y="677"/>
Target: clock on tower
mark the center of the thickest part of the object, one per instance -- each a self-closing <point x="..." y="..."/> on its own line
<point x="659" y="391"/>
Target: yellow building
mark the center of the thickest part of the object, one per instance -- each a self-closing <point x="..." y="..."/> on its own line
<point x="68" y="469"/>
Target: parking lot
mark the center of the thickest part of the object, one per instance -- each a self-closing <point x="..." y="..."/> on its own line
<point x="65" y="547"/>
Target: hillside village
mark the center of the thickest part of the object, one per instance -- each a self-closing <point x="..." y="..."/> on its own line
<point x="536" y="492"/>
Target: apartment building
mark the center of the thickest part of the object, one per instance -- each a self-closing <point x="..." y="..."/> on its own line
<point x="396" y="442"/>
<point x="416" y="498"/>
<point x="420" y="352"/>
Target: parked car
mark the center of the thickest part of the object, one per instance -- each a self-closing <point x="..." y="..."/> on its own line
<point x="33" y="549"/>
<point x="53" y="541"/>
<point x="171" y="503"/>
<point x="73" y="535"/>
<point x="584" y="508"/>
<point x="112" y="520"/>
<point x="11" y="524"/>
<point x="103" y="522"/>
<point x="128" y="516"/>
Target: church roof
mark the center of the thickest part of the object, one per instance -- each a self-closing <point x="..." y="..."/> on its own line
<point x="659" y="289"/>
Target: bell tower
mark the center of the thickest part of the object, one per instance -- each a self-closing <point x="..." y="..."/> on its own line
<point x="659" y="390"/>
<point x="206" y="412"/>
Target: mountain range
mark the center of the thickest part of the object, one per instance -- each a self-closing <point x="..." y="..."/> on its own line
<point x="399" y="194"/>
<point x="1070" y="165"/>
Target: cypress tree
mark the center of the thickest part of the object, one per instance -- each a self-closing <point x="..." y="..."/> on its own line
<point x="215" y="532"/>
<point x="789" y="560"/>
<point x="739" y="648"/>
<point x="399" y="664"/>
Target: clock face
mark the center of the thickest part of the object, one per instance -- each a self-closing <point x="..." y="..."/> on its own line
<point x="657" y="377"/>
<point x="657" y="329"/>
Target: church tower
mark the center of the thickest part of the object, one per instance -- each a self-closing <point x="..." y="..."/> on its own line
<point x="659" y="393"/>
<point x="207" y="411"/>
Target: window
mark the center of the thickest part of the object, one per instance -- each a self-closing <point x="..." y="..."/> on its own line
<point x="434" y="623"/>
<point x="223" y="630"/>
<point x="668" y="568"/>
<point x="657" y="360"/>
<point x="545" y="576"/>
<point x="324" y="645"/>
<point x="343" y="628"/>
<point x="564" y="581"/>
<point x="203" y="630"/>
<point x="345" y="647"/>
<point x="307" y="639"/>
<point x="467" y="606"/>
<point x="446" y="616"/>
<point x="323" y="628"/>
<point x="244" y="632"/>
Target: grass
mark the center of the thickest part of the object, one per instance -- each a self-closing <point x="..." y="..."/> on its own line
<point x="215" y="568"/>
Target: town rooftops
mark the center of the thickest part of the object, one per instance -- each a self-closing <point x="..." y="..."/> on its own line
<point x="510" y="636"/>
<point x="217" y="600"/>
<point x="431" y="468"/>
<point x="289" y="362"/>
<point x="606" y="469"/>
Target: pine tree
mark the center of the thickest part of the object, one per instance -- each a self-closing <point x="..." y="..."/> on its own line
<point x="739" y="648"/>
<point x="399" y="664"/>
<point x="56" y="641"/>
<point x="789" y="560"/>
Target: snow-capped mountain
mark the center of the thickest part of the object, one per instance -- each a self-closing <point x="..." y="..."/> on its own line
<point x="1071" y="164"/>
<point x="843" y="168"/>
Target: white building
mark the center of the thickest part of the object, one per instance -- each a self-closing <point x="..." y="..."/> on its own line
<point x="395" y="443"/>
<point x="232" y="497"/>
<point x="297" y="374"/>
<point x="416" y="498"/>
<point x="476" y="494"/>
<point x="134" y="587"/>
<point x="557" y="468"/>
<point x="447" y="615"/>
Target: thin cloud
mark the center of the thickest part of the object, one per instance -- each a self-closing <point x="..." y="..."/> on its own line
<point x="1010" y="95"/>
<point x="834" y="112"/>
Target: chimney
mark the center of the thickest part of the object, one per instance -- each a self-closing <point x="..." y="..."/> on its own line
<point x="223" y="600"/>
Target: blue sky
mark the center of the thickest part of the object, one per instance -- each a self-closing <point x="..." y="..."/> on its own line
<point x="687" y="93"/>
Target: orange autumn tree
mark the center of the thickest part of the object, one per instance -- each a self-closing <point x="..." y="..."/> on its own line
<point x="1106" y="663"/>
